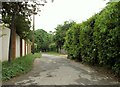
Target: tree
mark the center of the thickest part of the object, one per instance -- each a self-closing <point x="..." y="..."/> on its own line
<point x="22" y="26"/>
<point x="9" y="13"/>
<point x="43" y="40"/>
<point x="72" y="42"/>
<point x="13" y="13"/>
<point x="60" y="34"/>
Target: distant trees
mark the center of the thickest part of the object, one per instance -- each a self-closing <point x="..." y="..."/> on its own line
<point x="60" y="33"/>
<point x="52" y="41"/>
<point x="42" y="40"/>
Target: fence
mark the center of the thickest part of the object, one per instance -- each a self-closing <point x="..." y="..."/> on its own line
<point x="21" y="47"/>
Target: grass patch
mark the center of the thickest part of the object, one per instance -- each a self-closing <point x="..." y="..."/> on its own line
<point x="18" y="66"/>
<point x="37" y="55"/>
<point x="53" y="53"/>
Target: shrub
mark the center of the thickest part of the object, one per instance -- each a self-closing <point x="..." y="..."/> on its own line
<point x="107" y="36"/>
<point x="88" y="47"/>
<point x="97" y="40"/>
<point x="18" y="66"/>
<point x="72" y="42"/>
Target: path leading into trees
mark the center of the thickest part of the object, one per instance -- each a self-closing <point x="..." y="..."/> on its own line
<point x="58" y="70"/>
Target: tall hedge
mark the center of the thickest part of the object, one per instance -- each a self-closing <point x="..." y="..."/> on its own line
<point x="88" y="47"/>
<point x="97" y="40"/>
<point x="72" y="42"/>
<point x="107" y="36"/>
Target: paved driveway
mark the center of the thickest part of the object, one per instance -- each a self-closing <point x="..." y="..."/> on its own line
<point x="58" y="70"/>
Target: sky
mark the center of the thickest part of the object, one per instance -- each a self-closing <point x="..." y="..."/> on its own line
<point x="59" y="11"/>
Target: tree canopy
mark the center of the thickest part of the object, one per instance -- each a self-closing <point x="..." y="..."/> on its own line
<point x="42" y="40"/>
<point x="60" y="33"/>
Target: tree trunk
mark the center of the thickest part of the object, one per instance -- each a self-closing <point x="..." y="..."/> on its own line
<point x="12" y="42"/>
<point x="11" y="38"/>
<point x="57" y="49"/>
<point x="60" y="50"/>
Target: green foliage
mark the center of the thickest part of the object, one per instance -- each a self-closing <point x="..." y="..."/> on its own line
<point x="97" y="40"/>
<point x="16" y="14"/>
<point x="43" y="40"/>
<point x="52" y="47"/>
<point x="107" y="34"/>
<point x="59" y="37"/>
<point x="88" y="47"/>
<point x="22" y="26"/>
<point x="18" y="66"/>
<point x="72" y="42"/>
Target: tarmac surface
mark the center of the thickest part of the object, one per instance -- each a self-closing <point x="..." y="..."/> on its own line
<point x="58" y="70"/>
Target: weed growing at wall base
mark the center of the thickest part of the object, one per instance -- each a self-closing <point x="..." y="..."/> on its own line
<point x="18" y="66"/>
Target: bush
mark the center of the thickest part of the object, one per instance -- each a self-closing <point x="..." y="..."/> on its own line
<point x="88" y="47"/>
<point x="18" y="66"/>
<point x="52" y="47"/>
<point x="107" y="34"/>
<point x="72" y="42"/>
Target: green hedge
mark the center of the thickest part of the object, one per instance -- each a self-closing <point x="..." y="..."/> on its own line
<point x="72" y="42"/>
<point x="97" y="40"/>
<point x="87" y="41"/>
<point x="18" y="66"/>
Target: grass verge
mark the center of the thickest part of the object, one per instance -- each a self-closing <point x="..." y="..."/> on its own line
<point x="53" y="53"/>
<point x="18" y="66"/>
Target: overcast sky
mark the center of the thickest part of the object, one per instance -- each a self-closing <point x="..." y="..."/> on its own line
<point x="56" y="13"/>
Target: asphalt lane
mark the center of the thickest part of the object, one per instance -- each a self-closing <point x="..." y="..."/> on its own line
<point x="58" y="70"/>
